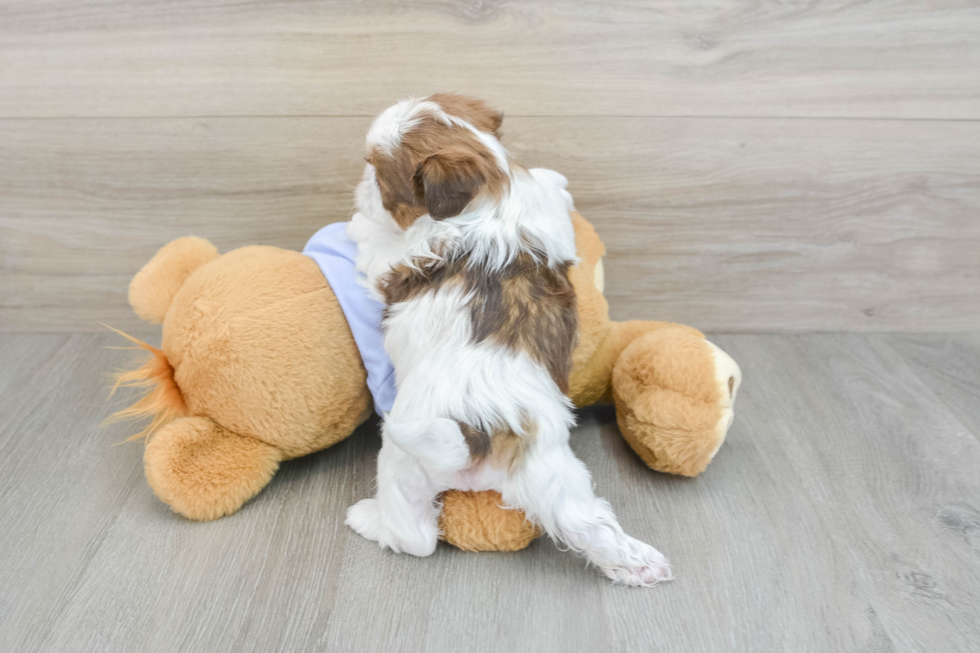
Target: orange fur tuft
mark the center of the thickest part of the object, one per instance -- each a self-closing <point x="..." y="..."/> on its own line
<point x="162" y="403"/>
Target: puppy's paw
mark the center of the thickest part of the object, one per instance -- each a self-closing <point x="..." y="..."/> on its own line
<point x="363" y="517"/>
<point x="644" y="576"/>
<point x="644" y="569"/>
<point x="420" y="542"/>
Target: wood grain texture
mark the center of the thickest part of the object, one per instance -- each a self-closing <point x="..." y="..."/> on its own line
<point x="887" y="468"/>
<point x="727" y="57"/>
<point x="726" y="224"/>
<point x="841" y="514"/>
<point x="87" y="203"/>
<point x="61" y="483"/>
<point x="950" y="366"/>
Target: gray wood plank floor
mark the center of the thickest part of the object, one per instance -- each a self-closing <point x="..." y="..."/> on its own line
<point x="843" y="514"/>
<point x="724" y="224"/>
<point x="829" y="58"/>
<point x="751" y="165"/>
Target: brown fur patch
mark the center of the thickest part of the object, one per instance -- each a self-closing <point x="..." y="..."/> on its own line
<point x="526" y="306"/>
<point x="529" y="307"/>
<point x="478" y="441"/>
<point x="474" y="111"/>
<point x="439" y="169"/>
<point x="507" y="449"/>
<point x="503" y="448"/>
<point x="395" y="176"/>
<point x="447" y="181"/>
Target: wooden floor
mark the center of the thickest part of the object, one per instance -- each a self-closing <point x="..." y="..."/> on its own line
<point x="751" y="166"/>
<point x="842" y="514"/>
<point x="791" y="166"/>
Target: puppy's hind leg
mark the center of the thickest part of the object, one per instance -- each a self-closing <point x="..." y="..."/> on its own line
<point x="554" y="489"/>
<point x="438" y="444"/>
<point x="404" y="515"/>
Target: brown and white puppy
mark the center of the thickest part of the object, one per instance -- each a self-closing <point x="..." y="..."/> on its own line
<point x="469" y="252"/>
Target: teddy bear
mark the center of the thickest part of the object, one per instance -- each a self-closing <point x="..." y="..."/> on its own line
<point x="258" y="365"/>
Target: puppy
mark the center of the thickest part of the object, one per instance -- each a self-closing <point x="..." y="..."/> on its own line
<point x="469" y="252"/>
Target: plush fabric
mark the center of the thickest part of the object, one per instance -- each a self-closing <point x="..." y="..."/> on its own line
<point x="260" y="345"/>
<point x="665" y="390"/>
<point x="207" y="470"/>
<point x="153" y="288"/>
<point x="475" y="521"/>
<point x="258" y="364"/>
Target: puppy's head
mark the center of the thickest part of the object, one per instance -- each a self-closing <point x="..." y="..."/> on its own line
<point x="436" y="156"/>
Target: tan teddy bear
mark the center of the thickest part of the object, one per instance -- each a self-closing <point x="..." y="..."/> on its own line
<point x="258" y="365"/>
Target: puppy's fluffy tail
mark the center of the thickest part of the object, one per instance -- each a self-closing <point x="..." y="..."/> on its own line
<point x="161" y="403"/>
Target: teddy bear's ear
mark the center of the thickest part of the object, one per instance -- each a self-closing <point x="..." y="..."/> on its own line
<point x="153" y="288"/>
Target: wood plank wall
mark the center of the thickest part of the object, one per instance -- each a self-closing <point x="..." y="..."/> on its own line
<point x="751" y="166"/>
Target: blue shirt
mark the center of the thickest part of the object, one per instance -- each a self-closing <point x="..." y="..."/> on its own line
<point x="334" y="252"/>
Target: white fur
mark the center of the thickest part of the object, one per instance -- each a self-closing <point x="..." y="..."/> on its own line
<point x="387" y="129"/>
<point x="444" y="379"/>
<point x="534" y="210"/>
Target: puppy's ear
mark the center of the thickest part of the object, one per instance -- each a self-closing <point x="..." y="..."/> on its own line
<point x="449" y="180"/>
<point x="477" y="112"/>
<point x="497" y="119"/>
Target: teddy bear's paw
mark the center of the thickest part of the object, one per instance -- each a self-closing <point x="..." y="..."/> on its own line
<point x="365" y="520"/>
<point x="645" y="567"/>
<point x="728" y="376"/>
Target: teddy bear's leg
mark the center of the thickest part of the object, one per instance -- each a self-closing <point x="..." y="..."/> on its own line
<point x="478" y="521"/>
<point x="728" y="378"/>
<point x="204" y="471"/>
<point x="674" y="393"/>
